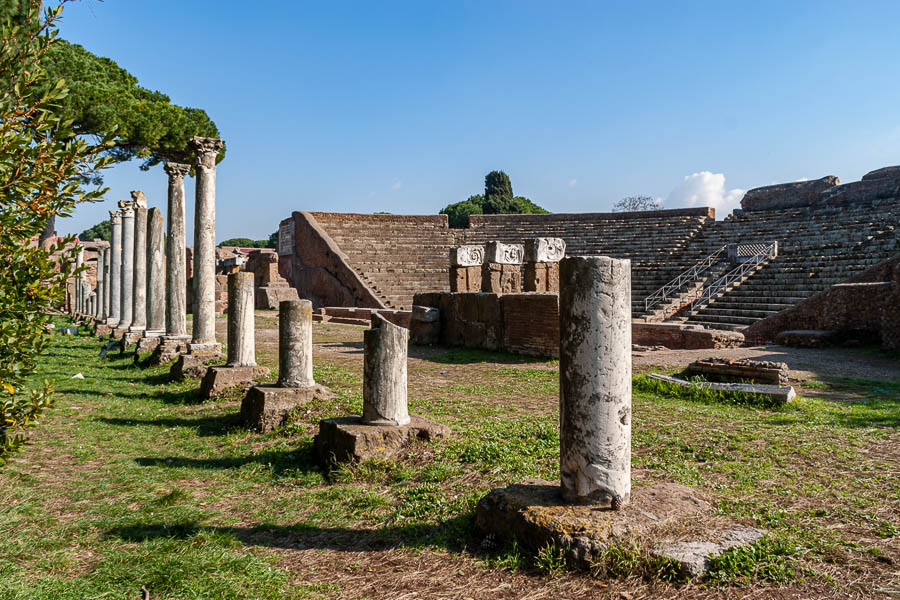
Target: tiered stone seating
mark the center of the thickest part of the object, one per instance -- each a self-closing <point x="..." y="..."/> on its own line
<point x="395" y="256"/>
<point x="818" y="247"/>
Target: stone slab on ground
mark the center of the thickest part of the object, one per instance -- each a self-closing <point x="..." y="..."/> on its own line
<point x="741" y="370"/>
<point x="267" y="407"/>
<point x="349" y="439"/>
<point x="535" y="514"/>
<point x="192" y="365"/>
<point x="781" y="394"/>
<point x="218" y="379"/>
<point x="805" y="338"/>
<point x="694" y="556"/>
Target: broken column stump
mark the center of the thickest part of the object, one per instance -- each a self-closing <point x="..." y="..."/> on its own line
<point x="385" y="427"/>
<point x="240" y="369"/>
<point x="267" y="407"/>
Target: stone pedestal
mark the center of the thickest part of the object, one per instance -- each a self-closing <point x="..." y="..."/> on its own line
<point x="169" y="348"/>
<point x="219" y="379"/>
<point x="267" y="407"/>
<point x="595" y="363"/>
<point x="115" y="268"/>
<point x="501" y="279"/>
<point x="102" y="329"/>
<point x="541" y="277"/>
<point x="350" y="439"/>
<point x="195" y="362"/>
<point x="465" y="279"/>
<point x="147" y="343"/>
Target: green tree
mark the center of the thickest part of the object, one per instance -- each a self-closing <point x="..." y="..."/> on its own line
<point x="105" y="99"/>
<point x="636" y="203"/>
<point x="497" y="199"/>
<point x="43" y="169"/>
<point x="102" y="230"/>
<point x="272" y="242"/>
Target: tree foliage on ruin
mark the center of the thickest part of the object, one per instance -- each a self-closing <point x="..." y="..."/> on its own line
<point x="636" y="204"/>
<point x="498" y="199"/>
<point x="43" y="169"/>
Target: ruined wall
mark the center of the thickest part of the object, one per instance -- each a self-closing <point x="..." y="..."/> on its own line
<point x="865" y="306"/>
<point x="875" y="185"/>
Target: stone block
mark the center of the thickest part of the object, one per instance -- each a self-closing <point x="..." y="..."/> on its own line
<point x="466" y="256"/>
<point x="497" y="278"/>
<point x="102" y="329"/>
<point x="170" y="347"/>
<point x="541" y="277"/>
<point x="459" y="279"/>
<point x="146" y="344"/>
<point x="194" y="365"/>
<point x="694" y="557"/>
<point x="544" y="250"/>
<point x="504" y="254"/>
<point x="741" y="370"/>
<point x="267" y="407"/>
<point x="534" y="513"/>
<point x="777" y="393"/>
<point x="218" y="379"/>
<point x="270" y="297"/>
<point x="805" y="338"/>
<point x="349" y="439"/>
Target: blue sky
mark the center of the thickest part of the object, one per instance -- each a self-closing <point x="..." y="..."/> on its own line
<point x="405" y="106"/>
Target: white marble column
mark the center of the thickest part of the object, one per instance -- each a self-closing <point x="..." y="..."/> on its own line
<point x="107" y="278"/>
<point x="595" y="380"/>
<point x="241" y="339"/>
<point x="295" y="360"/>
<point x="115" y="268"/>
<point x="204" y="272"/>
<point x="384" y="373"/>
<point x="176" y="271"/>
<point x="127" y="294"/>
<point x="139" y="282"/>
<point x="98" y="301"/>
<point x="79" y="278"/>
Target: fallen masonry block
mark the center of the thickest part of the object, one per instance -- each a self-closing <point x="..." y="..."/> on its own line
<point x="727" y="371"/>
<point x="777" y="393"/>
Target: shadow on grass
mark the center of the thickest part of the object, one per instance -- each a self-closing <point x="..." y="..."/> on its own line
<point x="357" y="347"/>
<point x="455" y="534"/>
<point x="300" y="459"/>
<point x="203" y="426"/>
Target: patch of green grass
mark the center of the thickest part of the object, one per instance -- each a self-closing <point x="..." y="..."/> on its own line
<point x="696" y="393"/>
<point x="769" y="559"/>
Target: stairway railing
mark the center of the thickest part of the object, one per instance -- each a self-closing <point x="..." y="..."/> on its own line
<point x="748" y="264"/>
<point x="689" y="276"/>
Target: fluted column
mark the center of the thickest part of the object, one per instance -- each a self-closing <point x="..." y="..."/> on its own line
<point x="204" y="302"/>
<point x="115" y="268"/>
<point x="176" y="272"/>
<point x="156" y="273"/>
<point x="139" y="285"/>
<point x="127" y="298"/>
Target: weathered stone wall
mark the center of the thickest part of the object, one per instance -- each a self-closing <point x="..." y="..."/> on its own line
<point x="865" y="306"/>
<point x="683" y="337"/>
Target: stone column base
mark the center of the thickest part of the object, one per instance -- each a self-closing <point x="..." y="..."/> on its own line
<point x="267" y="407"/>
<point x="131" y="337"/>
<point x="118" y="332"/>
<point x="218" y="379"/>
<point x="349" y="439"/>
<point x="193" y="365"/>
<point x="170" y="347"/>
<point x="146" y="344"/>
<point x="102" y="329"/>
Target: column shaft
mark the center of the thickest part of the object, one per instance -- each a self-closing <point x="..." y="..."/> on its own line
<point x="241" y="342"/>
<point x="384" y="373"/>
<point x="295" y="366"/>
<point x="139" y="282"/>
<point x="115" y="268"/>
<point x="176" y="271"/>
<point x="127" y="297"/>
<point x="156" y="272"/>
<point x="204" y="302"/>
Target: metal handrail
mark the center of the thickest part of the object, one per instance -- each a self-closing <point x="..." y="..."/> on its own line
<point x="730" y="277"/>
<point x="688" y="276"/>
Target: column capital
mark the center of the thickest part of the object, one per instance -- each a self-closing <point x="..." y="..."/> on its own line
<point x="176" y="170"/>
<point x="206" y="150"/>
<point x="115" y="216"/>
<point x="126" y="207"/>
<point x="138" y="198"/>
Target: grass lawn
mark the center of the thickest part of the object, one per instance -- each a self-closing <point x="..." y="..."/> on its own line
<point x="129" y="481"/>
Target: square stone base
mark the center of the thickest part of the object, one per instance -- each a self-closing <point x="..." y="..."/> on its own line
<point x="118" y="332"/>
<point x="534" y="513"/>
<point x="129" y="338"/>
<point x="194" y="365"/>
<point x="267" y="407"/>
<point x="465" y="279"/>
<point x="349" y="439"/>
<point x="541" y="277"/>
<point x="146" y="344"/>
<point x="498" y="278"/>
<point x="218" y="379"/>
<point x="169" y="348"/>
<point x="102" y="329"/>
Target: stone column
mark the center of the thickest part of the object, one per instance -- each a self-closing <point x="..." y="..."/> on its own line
<point x="48" y="234"/>
<point x="176" y="273"/>
<point x="384" y="373"/>
<point x="542" y="256"/>
<point x="139" y="282"/>
<point x="295" y="364"/>
<point x="501" y="272"/>
<point x="127" y="293"/>
<point x="204" y="301"/>
<point x="115" y="268"/>
<point x="595" y="380"/>
<point x="156" y="274"/>
<point x="79" y="288"/>
<point x="98" y="302"/>
<point x="241" y="341"/>
<point x="465" y="268"/>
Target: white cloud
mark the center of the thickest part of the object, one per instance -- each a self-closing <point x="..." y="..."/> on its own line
<point x="573" y="182"/>
<point x="705" y="189"/>
<point x="398" y="183"/>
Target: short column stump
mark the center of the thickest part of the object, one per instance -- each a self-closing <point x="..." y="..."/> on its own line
<point x="218" y="379"/>
<point x="349" y="439"/>
<point x="534" y="513"/>
<point x="267" y="407"/>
